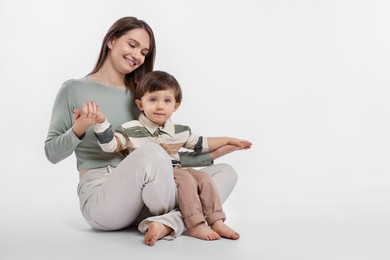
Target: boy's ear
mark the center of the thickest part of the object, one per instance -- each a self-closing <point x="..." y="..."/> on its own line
<point x="177" y="105"/>
<point x="139" y="104"/>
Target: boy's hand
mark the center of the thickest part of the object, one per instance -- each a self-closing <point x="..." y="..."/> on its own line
<point x="241" y="144"/>
<point x="100" y="117"/>
<point x="232" y="146"/>
<point x="88" y="116"/>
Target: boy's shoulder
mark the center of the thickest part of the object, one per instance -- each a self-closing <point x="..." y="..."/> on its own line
<point x="179" y="128"/>
<point x="132" y="123"/>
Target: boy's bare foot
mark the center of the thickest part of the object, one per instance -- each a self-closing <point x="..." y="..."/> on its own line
<point x="155" y="232"/>
<point x="203" y="232"/>
<point x="224" y="230"/>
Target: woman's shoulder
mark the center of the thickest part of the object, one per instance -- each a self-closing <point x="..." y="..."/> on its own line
<point x="86" y="84"/>
<point x="71" y="83"/>
<point x="73" y="88"/>
<point x="80" y="86"/>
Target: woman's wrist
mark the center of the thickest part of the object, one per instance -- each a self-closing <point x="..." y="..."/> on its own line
<point x="78" y="132"/>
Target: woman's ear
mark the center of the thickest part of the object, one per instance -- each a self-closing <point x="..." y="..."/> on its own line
<point x="110" y="43"/>
<point x="139" y="104"/>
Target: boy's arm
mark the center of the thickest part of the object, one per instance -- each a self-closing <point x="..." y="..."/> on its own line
<point x="217" y="147"/>
<point x="194" y="159"/>
<point x="108" y="140"/>
<point x="220" y="146"/>
<point x="199" y="155"/>
<point x="218" y="142"/>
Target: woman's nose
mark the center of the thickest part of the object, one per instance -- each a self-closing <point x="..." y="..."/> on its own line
<point x="136" y="56"/>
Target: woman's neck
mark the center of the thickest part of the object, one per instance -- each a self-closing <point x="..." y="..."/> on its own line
<point x="109" y="77"/>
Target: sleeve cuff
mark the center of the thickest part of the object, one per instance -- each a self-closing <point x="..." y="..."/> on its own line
<point x="101" y="127"/>
<point x="192" y="159"/>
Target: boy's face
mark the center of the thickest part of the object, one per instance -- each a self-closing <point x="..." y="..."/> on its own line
<point x="158" y="106"/>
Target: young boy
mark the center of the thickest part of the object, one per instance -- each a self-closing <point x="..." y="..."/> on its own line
<point x="158" y="95"/>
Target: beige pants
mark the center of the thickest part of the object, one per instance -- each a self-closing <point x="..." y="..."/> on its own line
<point x="198" y="197"/>
<point x="140" y="190"/>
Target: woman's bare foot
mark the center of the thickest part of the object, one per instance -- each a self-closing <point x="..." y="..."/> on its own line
<point x="224" y="230"/>
<point x="155" y="232"/>
<point x="203" y="232"/>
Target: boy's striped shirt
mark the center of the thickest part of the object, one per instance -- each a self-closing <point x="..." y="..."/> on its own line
<point x="133" y="134"/>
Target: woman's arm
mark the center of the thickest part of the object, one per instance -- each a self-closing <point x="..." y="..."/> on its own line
<point x="61" y="141"/>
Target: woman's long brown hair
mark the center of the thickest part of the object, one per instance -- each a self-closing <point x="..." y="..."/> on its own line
<point x="119" y="28"/>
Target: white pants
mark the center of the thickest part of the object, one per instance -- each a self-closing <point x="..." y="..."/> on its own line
<point x="140" y="190"/>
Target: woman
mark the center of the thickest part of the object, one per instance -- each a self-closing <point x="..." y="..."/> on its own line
<point x="117" y="191"/>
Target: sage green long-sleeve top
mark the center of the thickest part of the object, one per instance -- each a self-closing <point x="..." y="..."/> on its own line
<point x="116" y="103"/>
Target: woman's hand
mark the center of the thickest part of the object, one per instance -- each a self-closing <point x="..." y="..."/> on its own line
<point x="88" y="116"/>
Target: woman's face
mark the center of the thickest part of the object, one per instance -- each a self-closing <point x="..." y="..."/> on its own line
<point x="128" y="52"/>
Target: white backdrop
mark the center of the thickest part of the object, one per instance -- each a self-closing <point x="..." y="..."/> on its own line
<point x="306" y="81"/>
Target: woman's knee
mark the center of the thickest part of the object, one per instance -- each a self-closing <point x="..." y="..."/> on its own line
<point x="151" y="155"/>
<point x="228" y="172"/>
<point x="147" y="162"/>
<point x="232" y="173"/>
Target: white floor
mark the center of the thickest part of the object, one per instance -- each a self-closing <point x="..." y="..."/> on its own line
<point x="41" y="220"/>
